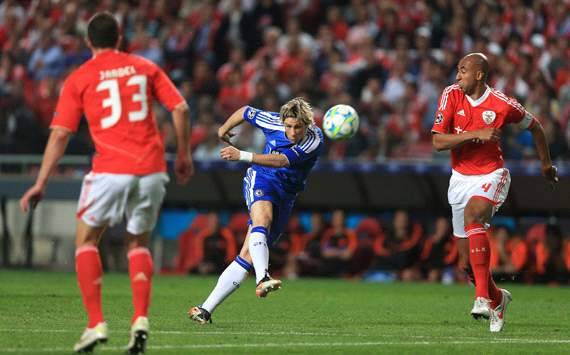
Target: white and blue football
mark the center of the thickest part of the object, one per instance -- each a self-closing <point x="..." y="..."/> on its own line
<point x="340" y="122"/>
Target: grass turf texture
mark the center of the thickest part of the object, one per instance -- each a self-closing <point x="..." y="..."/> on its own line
<point x="41" y="312"/>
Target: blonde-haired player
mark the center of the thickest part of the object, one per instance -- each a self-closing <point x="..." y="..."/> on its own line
<point x="271" y="185"/>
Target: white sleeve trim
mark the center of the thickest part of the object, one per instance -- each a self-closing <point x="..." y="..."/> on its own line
<point x="312" y="142"/>
<point x="526" y="121"/>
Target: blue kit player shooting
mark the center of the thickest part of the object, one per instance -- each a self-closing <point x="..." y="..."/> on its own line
<point x="271" y="184"/>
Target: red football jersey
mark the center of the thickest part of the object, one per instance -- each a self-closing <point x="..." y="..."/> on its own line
<point x="459" y="113"/>
<point x="115" y="90"/>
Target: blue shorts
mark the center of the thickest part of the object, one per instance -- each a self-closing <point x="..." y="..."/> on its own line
<point x="257" y="187"/>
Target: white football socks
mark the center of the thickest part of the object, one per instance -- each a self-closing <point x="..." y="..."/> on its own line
<point x="259" y="251"/>
<point x="228" y="282"/>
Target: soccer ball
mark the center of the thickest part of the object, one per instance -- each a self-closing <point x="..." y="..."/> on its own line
<point x="340" y="122"/>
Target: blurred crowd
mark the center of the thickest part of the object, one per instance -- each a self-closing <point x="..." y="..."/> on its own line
<point x="389" y="59"/>
<point x="380" y="248"/>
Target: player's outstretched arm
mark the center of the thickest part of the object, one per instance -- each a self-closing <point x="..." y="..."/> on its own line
<point x="55" y="148"/>
<point x="271" y="160"/>
<point x="235" y="119"/>
<point x="548" y="170"/>
<point x="443" y="141"/>
<point x="183" y="166"/>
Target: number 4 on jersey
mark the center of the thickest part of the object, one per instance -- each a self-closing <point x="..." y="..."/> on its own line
<point x="487" y="186"/>
<point x="114" y="100"/>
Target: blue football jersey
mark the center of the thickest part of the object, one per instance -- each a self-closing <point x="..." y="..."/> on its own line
<point x="302" y="156"/>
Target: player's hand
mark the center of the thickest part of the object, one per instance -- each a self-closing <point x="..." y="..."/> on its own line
<point x="31" y="198"/>
<point x="229" y="153"/>
<point x="550" y="172"/>
<point x="183" y="169"/>
<point x="487" y="135"/>
<point x="225" y="136"/>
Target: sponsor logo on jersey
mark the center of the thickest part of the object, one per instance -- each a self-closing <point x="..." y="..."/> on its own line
<point x="461" y="113"/>
<point x="439" y="118"/>
<point x="489" y="116"/>
<point x="272" y="142"/>
<point x="258" y="192"/>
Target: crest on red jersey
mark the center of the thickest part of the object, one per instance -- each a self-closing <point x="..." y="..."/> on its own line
<point x="489" y="116"/>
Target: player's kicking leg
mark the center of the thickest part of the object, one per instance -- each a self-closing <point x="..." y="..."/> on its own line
<point x="89" y="276"/>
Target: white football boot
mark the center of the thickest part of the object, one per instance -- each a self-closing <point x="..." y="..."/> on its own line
<point x="200" y="315"/>
<point x="267" y="285"/>
<point x="91" y="337"/>
<point x="139" y="335"/>
<point x="497" y="318"/>
<point x="481" y="308"/>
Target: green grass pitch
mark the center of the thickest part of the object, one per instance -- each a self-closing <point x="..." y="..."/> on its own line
<point x="41" y="313"/>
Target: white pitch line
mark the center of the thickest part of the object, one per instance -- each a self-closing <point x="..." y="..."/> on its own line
<point x="287" y="333"/>
<point x="302" y="344"/>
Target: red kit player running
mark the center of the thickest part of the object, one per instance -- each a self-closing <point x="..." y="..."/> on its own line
<point x="469" y="120"/>
<point x="115" y="91"/>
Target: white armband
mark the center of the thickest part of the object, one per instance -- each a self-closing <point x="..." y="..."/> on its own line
<point x="245" y="156"/>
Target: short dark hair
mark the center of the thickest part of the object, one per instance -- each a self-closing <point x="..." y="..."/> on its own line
<point x="103" y="30"/>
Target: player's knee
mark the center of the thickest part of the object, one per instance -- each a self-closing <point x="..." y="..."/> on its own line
<point x="262" y="220"/>
<point x="85" y="241"/>
<point x="87" y="235"/>
<point x="471" y="215"/>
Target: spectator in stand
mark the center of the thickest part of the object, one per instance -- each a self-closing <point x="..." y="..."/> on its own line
<point x="234" y="93"/>
<point x="17" y="124"/>
<point x="367" y="232"/>
<point x="338" y="245"/>
<point x="509" y="254"/>
<point x="203" y="80"/>
<point x="552" y="257"/>
<point x="216" y="246"/>
<point x="337" y="23"/>
<point x="438" y="252"/>
<point x="265" y="14"/>
<point x="210" y="149"/>
<point x="400" y="250"/>
<point x="283" y="253"/>
<point x="309" y="260"/>
<point x="47" y="60"/>
<point x="294" y="32"/>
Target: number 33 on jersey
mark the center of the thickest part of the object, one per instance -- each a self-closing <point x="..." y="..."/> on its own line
<point x="116" y="91"/>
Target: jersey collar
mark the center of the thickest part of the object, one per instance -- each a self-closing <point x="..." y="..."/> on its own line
<point x="480" y="100"/>
<point x="105" y="52"/>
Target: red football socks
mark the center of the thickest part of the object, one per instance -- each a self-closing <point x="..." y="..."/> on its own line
<point x="479" y="257"/>
<point x="89" y="277"/>
<point x="140" y="273"/>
